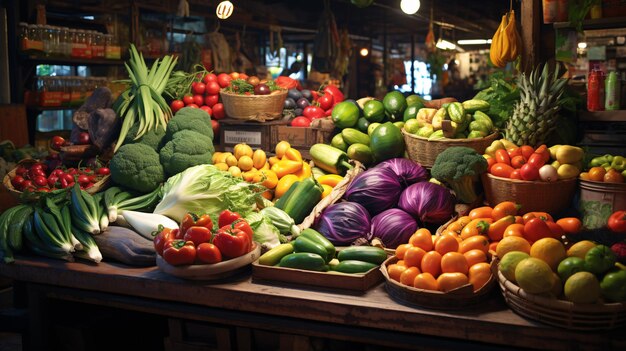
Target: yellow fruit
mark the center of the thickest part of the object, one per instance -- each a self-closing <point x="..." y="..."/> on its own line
<point x="249" y="176"/>
<point x="259" y="159"/>
<point x="534" y="276"/>
<point x="512" y="243"/>
<point x="582" y="287"/>
<point x="231" y="160"/>
<point x="245" y="163"/>
<point x="284" y="184"/>
<point x="234" y="171"/>
<point x="222" y="157"/>
<point x="569" y="154"/>
<point x="549" y="250"/>
<point x="242" y="150"/>
<point x="509" y="262"/>
<point x="281" y="148"/>
<point x="215" y="157"/>
<point x="266" y="177"/>
<point x="580" y="249"/>
<point x="221" y="166"/>
<point x="567" y="171"/>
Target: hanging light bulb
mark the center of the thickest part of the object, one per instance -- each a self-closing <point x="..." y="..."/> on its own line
<point x="364" y="52"/>
<point x="410" y="6"/>
<point x="224" y="9"/>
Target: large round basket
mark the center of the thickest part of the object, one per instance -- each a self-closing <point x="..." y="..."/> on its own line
<point x="561" y="313"/>
<point x="34" y="196"/>
<point x="254" y="107"/>
<point x="459" y="298"/>
<point x="425" y="151"/>
<point x="551" y="197"/>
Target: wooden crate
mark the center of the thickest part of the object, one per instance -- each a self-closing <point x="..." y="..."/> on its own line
<point x="255" y="134"/>
<point x="300" y="138"/>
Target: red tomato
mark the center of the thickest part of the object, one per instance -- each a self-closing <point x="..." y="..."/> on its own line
<point x="490" y="162"/>
<point x="515" y="174"/>
<point x="218" y="111"/>
<point x="571" y="225"/>
<point x="502" y="156"/>
<point x="216" y="127"/>
<point x="198" y="99"/>
<point x="223" y="80"/>
<point x="208" y="253"/>
<point x="544" y="151"/>
<point x="211" y="100"/>
<point x="188" y="99"/>
<point x="514" y="151"/>
<point x="177" y="105"/>
<point x="617" y="222"/>
<point x="326" y="101"/>
<point x="212" y="88"/>
<point x="207" y="109"/>
<point x="209" y="77"/>
<point x="536" y="229"/>
<point x="192" y="106"/>
<point x="529" y="172"/>
<point x="198" y="87"/>
<point x="527" y="150"/>
<point x="17" y="181"/>
<point x="313" y="112"/>
<point x="243" y="76"/>
<point x="536" y="160"/>
<point x="501" y="170"/>
<point x="300" y="121"/>
<point x="518" y="161"/>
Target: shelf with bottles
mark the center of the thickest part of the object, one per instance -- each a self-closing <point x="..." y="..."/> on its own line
<point x="66" y="92"/>
<point x="603" y="116"/>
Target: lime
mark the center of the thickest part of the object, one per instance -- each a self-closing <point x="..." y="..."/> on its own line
<point x="613" y="286"/>
<point x="509" y="262"/>
<point x="600" y="259"/>
<point x="345" y="114"/>
<point x="386" y="142"/>
<point x="411" y="126"/>
<point x="399" y="124"/>
<point x="362" y="124"/>
<point x="582" y="287"/>
<point x="570" y="266"/>
<point x="411" y="112"/>
<point x="534" y="276"/>
<point x="395" y="104"/>
<point x="414" y="99"/>
<point x="374" y="111"/>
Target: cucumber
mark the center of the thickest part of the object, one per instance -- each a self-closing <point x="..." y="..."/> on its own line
<point x="353" y="136"/>
<point x="474" y="105"/>
<point x="361" y="153"/>
<point x="274" y="255"/>
<point x="304" y="260"/>
<point x="370" y="254"/>
<point x="317" y="237"/>
<point x="304" y="244"/>
<point x="300" y="202"/>
<point x="338" y="142"/>
<point x="353" y="266"/>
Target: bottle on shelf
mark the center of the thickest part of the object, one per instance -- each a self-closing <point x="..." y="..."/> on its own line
<point x="612" y="92"/>
<point x="593" y="91"/>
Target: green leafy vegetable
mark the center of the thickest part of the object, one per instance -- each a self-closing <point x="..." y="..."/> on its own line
<point x="502" y="96"/>
<point x="265" y="232"/>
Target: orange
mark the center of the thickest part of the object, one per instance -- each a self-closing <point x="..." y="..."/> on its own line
<point x="451" y="281"/>
<point x="425" y="281"/>
<point x="512" y="243"/>
<point x="454" y="262"/>
<point x="477" y="242"/>
<point x="475" y="256"/>
<point x="408" y="276"/>
<point x="395" y="270"/>
<point x="413" y="257"/>
<point x="479" y="274"/>
<point x="446" y="243"/>
<point x="401" y="250"/>
<point x="422" y="238"/>
<point x="515" y="229"/>
<point x="431" y="263"/>
<point x="596" y="173"/>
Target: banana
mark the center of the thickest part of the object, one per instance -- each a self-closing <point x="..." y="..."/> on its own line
<point x="15" y="235"/>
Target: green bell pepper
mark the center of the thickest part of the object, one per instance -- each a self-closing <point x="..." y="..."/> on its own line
<point x="619" y="163"/>
<point x="598" y="161"/>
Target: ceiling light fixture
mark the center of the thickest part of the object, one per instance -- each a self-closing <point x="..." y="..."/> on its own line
<point x="582" y="45"/>
<point x="410" y="6"/>
<point x="224" y="9"/>
<point x="364" y="52"/>
<point x="445" y="45"/>
<point x="473" y="41"/>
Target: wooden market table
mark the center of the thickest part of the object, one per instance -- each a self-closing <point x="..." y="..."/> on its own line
<point x="371" y="317"/>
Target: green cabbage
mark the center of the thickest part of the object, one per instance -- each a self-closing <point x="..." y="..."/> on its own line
<point x="265" y="232"/>
<point x="204" y="189"/>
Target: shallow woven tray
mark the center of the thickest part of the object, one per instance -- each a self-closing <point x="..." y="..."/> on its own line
<point x="551" y="197"/>
<point x="254" y="107"/>
<point x="561" y="313"/>
<point x="460" y="298"/>
<point x="425" y="151"/>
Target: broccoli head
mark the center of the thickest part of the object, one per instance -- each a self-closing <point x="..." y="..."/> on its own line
<point x="137" y="166"/>
<point x="459" y="167"/>
<point x="186" y="149"/>
<point x="152" y="138"/>
<point x="189" y="118"/>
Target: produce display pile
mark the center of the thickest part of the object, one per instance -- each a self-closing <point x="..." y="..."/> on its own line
<point x="360" y="202"/>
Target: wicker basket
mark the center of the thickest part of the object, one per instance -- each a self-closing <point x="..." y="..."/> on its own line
<point x="254" y="107"/>
<point x="561" y="313"/>
<point x="34" y="196"/>
<point x="551" y="197"/>
<point x="459" y="298"/>
<point x="425" y="151"/>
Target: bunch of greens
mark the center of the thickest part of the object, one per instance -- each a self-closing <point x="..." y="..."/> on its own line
<point x="241" y="86"/>
<point x="502" y="94"/>
<point x="180" y="82"/>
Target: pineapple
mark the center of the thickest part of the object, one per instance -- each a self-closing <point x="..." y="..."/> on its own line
<point x="535" y="115"/>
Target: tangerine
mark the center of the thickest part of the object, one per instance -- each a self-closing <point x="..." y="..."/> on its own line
<point x="446" y="243"/>
<point x="408" y="276"/>
<point x="431" y="263"/>
<point x="395" y="271"/>
<point x="453" y="262"/>
<point x="451" y="281"/>
<point x="413" y="256"/>
<point x="425" y="281"/>
<point x="475" y="256"/>
<point x="422" y="238"/>
<point x="479" y="275"/>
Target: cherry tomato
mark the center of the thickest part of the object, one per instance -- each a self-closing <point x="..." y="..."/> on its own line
<point x="517" y="161"/>
<point x="56" y="142"/>
<point x="514" y="151"/>
<point x="527" y="150"/>
<point x="188" y="99"/>
<point x="27" y="184"/>
<point x="21" y="170"/>
<point x="613" y="176"/>
<point x="92" y="178"/>
<point x="211" y="100"/>
<point x="216" y="126"/>
<point x="82" y="179"/>
<point x="223" y="80"/>
<point x="206" y="109"/>
<point x="40" y="181"/>
<point x="529" y="172"/>
<point x="536" y="160"/>
<point x="193" y="106"/>
<point x="103" y="171"/>
<point x="209" y="77"/>
<point x="570" y="225"/>
<point x="218" y="111"/>
<point x="52" y="180"/>
<point x="198" y="88"/>
<point x="300" y="121"/>
<point x="501" y="170"/>
<point x="544" y="151"/>
<point x="198" y="99"/>
<point x="212" y="88"/>
<point x="177" y="105"/>
<point x="17" y="181"/>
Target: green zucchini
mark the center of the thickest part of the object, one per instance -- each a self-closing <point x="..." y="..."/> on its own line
<point x="339" y="142"/>
<point x="353" y="266"/>
<point x="353" y="136"/>
<point x="317" y="237"/>
<point x="300" y="202"/>
<point x="304" y="260"/>
<point x="274" y="255"/>
<point x="370" y="254"/>
<point x="361" y="153"/>
<point x="282" y="201"/>
<point x="304" y="244"/>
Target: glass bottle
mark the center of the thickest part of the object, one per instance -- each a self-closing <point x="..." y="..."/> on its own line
<point x="612" y="92"/>
<point x="23" y="35"/>
<point x="593" y="91"/>
<point x="34" y="39"/>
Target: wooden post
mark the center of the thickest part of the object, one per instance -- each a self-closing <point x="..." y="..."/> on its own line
<point x="531" y="28"/>
<point x="412" y="64"/>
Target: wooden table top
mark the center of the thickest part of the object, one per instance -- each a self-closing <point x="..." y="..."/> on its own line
<point x="491" y="322"/>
